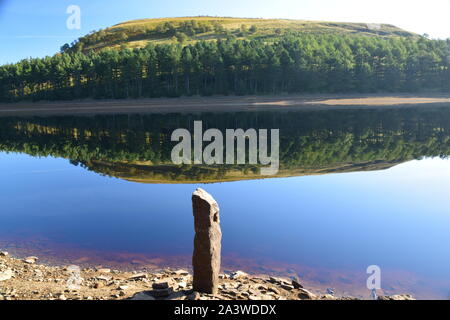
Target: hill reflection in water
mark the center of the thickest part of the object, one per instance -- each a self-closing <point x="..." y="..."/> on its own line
<point x="138" y="147"/>
<point x="326" y="228"/>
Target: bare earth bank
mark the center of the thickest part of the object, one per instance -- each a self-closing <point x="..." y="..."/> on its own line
<point x="221" y="104"/>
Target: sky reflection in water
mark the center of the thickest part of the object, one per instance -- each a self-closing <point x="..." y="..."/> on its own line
<point x="398" y="218"/>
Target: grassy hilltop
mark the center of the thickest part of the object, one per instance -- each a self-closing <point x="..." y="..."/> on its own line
<point x="229" y="56"/>
<point x="188" y="30"/>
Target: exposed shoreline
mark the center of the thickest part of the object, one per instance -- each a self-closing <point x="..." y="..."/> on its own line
<point x="25" y="279"/>
<point x="221" y="104"/>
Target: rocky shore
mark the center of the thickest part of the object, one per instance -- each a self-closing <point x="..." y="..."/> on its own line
<point x="26" y="279"/>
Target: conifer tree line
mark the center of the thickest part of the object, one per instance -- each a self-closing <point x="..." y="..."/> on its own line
<point x="308" y="139"/>
<point x="293" y="64"/>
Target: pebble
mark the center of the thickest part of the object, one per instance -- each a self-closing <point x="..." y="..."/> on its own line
<point x="306" y="295"/>
<point x="194" y="296"/>
<point x="296" y="284"/>
<point x="181" y="272"/>
<point x="286" y="287"/>
<point x="6" y="274"/>
<point x="274" y="290"/>
<point x="99" y="285"/>
<point x="160" y="285"/>
<point x="238" y="274"/>
<point x="142" y="296"/>
<point x="158" y="293"/>
<point x="30" y="260"/>
<point x="138" y="276"/>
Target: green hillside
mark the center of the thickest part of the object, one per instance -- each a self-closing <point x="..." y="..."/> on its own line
<point x="187" y="30"/>
<point x="187" y="57"/>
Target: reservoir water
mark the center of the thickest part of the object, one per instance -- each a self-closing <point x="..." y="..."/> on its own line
<point x="355" y="188"/>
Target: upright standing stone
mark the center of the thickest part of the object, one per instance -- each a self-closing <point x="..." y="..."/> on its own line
<point x="207" y="242"/>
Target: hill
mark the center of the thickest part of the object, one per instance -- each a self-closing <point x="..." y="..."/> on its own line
<point x="181" y="57"/>
<point x="188" y="30"/>
<point x="142" y="172"/>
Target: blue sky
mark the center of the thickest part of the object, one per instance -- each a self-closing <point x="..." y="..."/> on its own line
<point x="38" y="28"/>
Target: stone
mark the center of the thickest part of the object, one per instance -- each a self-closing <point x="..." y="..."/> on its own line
<point x="123" y="287"/>
<point x="181" y="272"/>
<point x="159" y="293"/>
<point x="160" y="285"/>
<point x="286" y="287"/>
<point x="306" y="295"/>
<point x="104" y="270"/>
<point x="3" y="254"/>
<point x="138" y="276"/>
<point x="280" y="281"/>
<point x="99" y="285"/>
<point x="238" y="274"/>
<point x="207" y="242"/>
<point x="397" y="297"/>
<point x="296" y="284"/>
<point x="274" y="290"/>
<point x="252" y="291"/>
<point x="176" y="296"/>
<point x="194" y="296"/>
<point x="273" y="280"/>
<point x="103" y="278"/>
<point x="30" y="260"/>
<point x="231" y="293"/>
<point x="6" y="274"/>
<point x="328" y="297"/>
<point x="142" y="296"/>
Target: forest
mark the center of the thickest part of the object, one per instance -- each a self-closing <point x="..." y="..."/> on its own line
<point x="295" y="63"/>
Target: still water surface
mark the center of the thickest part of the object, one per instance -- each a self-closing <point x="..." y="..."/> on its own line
<point x="355" y="188"/>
